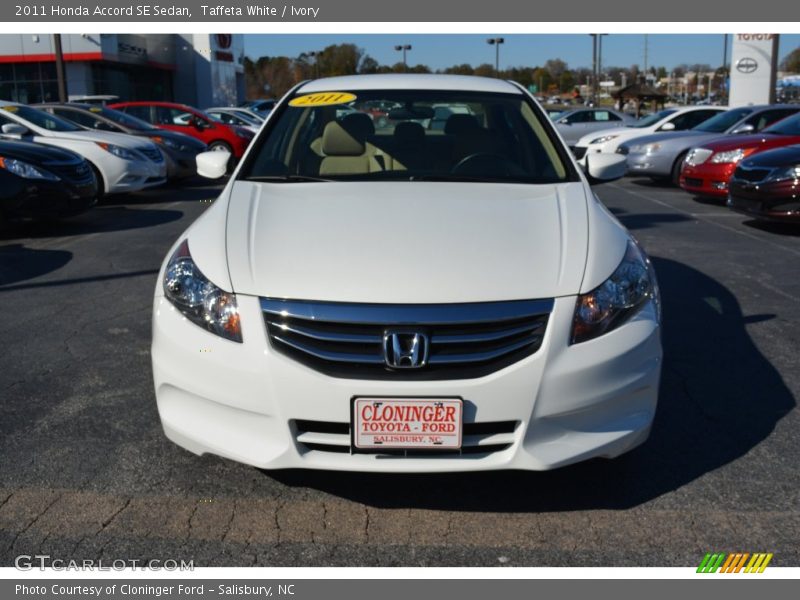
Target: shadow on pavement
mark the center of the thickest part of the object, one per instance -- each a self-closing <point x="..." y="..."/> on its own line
<point x="98" y="220"/>
<point x="666" y="182"/>
<point x="647" y="220"/>
<point x="650" y="220"/>
<point x="191" y="190"/>
<point x="719" y="398"/>
<point x="787" y="229"/>
<point x="18" y="263"/>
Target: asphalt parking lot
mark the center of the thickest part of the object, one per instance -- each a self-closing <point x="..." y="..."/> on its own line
<point x="85" y="471"/>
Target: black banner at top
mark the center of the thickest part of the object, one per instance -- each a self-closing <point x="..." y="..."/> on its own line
<point x="393" y="11"/>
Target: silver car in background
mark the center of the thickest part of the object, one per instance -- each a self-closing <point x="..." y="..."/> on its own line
<point x="660" y="156"/>
<point x="576" y="123"/>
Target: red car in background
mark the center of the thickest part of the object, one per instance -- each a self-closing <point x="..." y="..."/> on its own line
<point x="190" y="121"/>
<point x="708" y="169"/>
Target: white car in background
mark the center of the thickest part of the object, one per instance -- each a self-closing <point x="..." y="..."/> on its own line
<point x="606" y="141"/>
<point x="236" y="117"/>
<point x="122" y="163"/>
<point x="407" y="299"/>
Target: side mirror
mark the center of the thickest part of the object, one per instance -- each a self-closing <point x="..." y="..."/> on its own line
<point x="198" y="124"/>
<point x="212" y="164"/>
<point x="667" y="127"/>
<point x="564" y="122"/>
<point x="15" y="129"/>
<point x="602" y="168"/>
<point x="746" y="128"/>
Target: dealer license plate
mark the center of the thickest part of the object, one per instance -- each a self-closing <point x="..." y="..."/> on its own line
<point x="407" y="423"/>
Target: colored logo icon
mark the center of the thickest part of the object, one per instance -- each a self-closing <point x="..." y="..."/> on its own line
<point x="738" y="562"/>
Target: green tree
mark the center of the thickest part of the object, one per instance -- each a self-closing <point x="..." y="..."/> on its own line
<point x="484" y="70"/>
<point x="340" y="59"/>
<point x="566" y="82"/>
<point x="464" y="69"/>
<point x="791" y="62"/>
<point x="369" y="65"/>
<point x="542" y="78"/>
<point x="556" y="67"/>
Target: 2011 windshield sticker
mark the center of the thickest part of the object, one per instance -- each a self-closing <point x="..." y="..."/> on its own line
<point x="322" y="99"/>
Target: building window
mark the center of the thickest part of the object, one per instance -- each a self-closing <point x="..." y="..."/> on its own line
<point x="28" y="82"/>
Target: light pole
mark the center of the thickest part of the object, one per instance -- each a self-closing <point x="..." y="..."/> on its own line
<point x="496" y="41"/>
<point x="404" y="48"/>
<point x="316" y="54"/>
<point x="60" y="74"/>
<point x="597" y="50"/>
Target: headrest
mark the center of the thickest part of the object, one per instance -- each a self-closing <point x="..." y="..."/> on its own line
<point x="348" y="136"/>
<point x="460" y="124"/>
<point x="409" y="132"/>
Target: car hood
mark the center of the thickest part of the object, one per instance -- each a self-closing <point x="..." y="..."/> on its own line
<point x="787" y="156"/>
<point x="181" y="138"/>
<point x="36" y="153"/>
<point x="103" y="137"/>
<point x="406" y="242"/>
<point x="722" y="144"/>
<point x="625" y="132"/>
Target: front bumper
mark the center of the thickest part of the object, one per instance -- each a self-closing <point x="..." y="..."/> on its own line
<point x="778" y="201"/>
<point x="244" y="401"/>
<point x="707" y="179"/>
<point x="650" y="165"/>
<point x="47" y="199"/>
<point x="133" y="175"/>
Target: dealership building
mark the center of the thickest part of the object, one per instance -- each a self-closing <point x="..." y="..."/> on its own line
<point x="199" y="69"/>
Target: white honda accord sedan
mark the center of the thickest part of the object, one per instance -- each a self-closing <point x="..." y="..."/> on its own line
<point x="425" y="297"/>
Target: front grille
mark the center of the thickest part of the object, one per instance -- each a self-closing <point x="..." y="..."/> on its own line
<point x="74" y="172"/>
<point x="578" y="151"/>
<point x="465" y="340"/>
<point x="152" y="153"/>
<point x="693" y="182"/>
<point x="751" y="175"/>
<point x="478" y="438"/>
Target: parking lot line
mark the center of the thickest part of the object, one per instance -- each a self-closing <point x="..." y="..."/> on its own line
<point x="705" y="219"/>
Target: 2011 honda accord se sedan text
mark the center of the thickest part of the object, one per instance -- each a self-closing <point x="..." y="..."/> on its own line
<point x="415" y="299"/>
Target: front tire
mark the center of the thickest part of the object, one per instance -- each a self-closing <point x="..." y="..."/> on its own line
<point x="675" y="176"/>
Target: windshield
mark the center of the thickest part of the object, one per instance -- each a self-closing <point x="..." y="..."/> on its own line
<point x="653" y="119"/>
<point x="789" y="126"/>
<point x="42" y="119"/>
<point x="723" y="121"/>
<point x="123" y="119"/>
<point x="414" y="135"/>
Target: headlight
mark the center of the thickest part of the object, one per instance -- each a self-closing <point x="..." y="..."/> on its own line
<point x="645" y="148"/>
<point x="198" y="299"/>
<point x="118" y="151"/>
<point x="730" y="156"/>
<point x="697" y="156"/>
<point x="785" y="173"/>
<point x="604" y="139"/>
<point x="25" y="170"/>
<point x="618" y="298"/>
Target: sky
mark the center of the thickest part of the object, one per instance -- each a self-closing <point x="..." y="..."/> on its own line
<point x="443" y="50"/>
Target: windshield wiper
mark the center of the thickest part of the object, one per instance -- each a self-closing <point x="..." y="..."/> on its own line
<point x="286" y="178"/>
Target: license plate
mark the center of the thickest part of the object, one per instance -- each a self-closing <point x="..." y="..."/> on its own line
<point x="407" y="423"/>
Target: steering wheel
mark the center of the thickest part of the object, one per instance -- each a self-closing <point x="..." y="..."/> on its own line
<point x="484" y="163"/>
